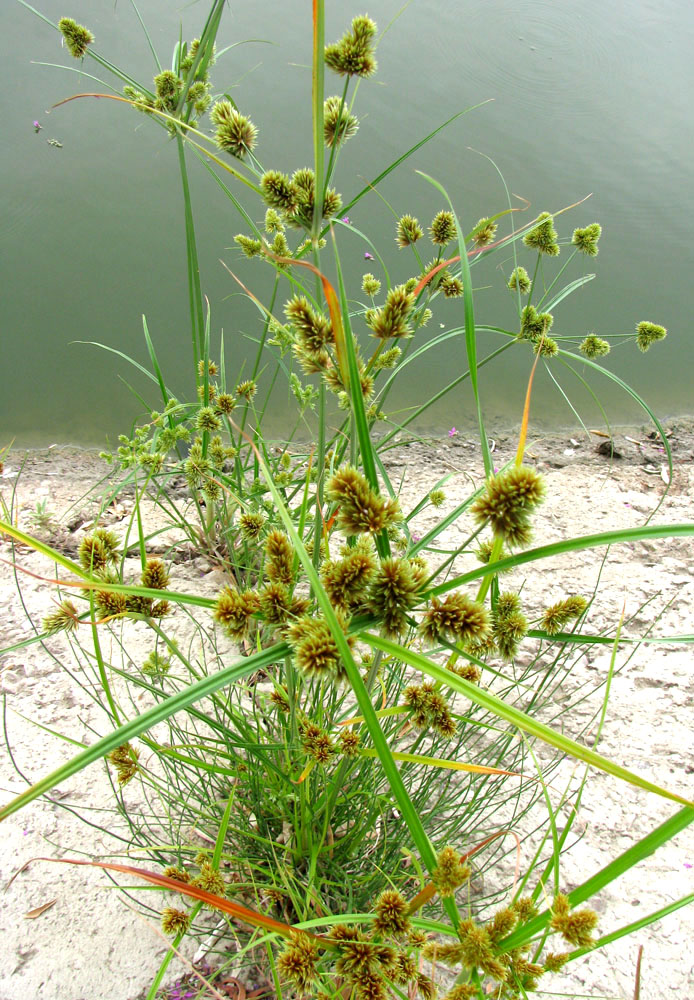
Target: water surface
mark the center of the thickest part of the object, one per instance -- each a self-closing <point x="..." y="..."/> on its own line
<point x="585" y="99"/>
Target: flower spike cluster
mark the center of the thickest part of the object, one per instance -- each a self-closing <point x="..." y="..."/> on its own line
<point x="543" y="237"/>
<point x="353" y="54"/>
<point x="77" y="37"/>
<point x="507" y="502"/>
<point x="360" y="508"/>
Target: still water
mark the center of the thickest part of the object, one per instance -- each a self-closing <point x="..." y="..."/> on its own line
<point x="584" y="99"/>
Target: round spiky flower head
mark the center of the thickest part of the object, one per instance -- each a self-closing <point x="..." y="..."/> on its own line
<point x="235" y="133"/>
<point x="509" y="628"/>
<point x="353" y="54"/>
<point x="63" y="619"/>
<point x="251" y="525"/>
<point x="346" y="580"/>
<point x="555" y="617"/>
<point x="547" y="347"/>
<point x="349" y="743"/>
<point x="442" y="228"/>
<point x="298" y="962"/>
<point x="207" y="419"/>
<point x="251" y="248"/>
<point x="520" y="279"/>
<point x="534" y="324"/>
<point x="338" y="124"/>
<point x="457" y="616"/>
<point x="450" y="872"/>
<point x="76" y="36"/>
<point x="507" y="501"/>
<point x="543" y="237"/>
<point x="463" y="991"/>
<point x="647" y="334"/>
<point x="124" y="758"/>
<point x="392" y="319"/>
<point x="451" y="286"/>
<point x="247" y="389"/>
<point x="360" y="508"/>
<point x="155" y="575"/>
<point x="370" y="285"/>
<point x="278" y="191"/>
<point x="280" y="557"/>
<point x="408" y="231"/>
<point x="391" y="913"/>
<point x="594" y="347"/>
<point x="174" y="921"/>
<point x="576" y="928"/>
<point x="484" y="232"/>
<point x="225" y="403"/>
<point x="315" y="649"/>
<point x="392" y="593"/>
<point x="586" y="240"/>
<point x="234" y="611"/>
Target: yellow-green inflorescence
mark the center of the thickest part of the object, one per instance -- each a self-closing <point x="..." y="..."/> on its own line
<point x="507" y="502"/>
<point x="76" y="36"/>
<point x="543" y="237"/>
<point x="353" y="55"/>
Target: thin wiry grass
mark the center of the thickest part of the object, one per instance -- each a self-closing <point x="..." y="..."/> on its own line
<point x="311" y="840"/>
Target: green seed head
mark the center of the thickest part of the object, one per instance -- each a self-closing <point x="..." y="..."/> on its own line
<point x="77" y="37"/>
<point x="543" y="237"/>
<point x="594" y="347"/>
<point x="235" y="134"/>
<point x="648" y="333"/>
<point x="442" y="228"/>
<point x="586" y="240"/>
<point x="520" y="279"/>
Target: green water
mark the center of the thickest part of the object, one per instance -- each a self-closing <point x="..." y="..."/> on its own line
<point x="584" y="98"/>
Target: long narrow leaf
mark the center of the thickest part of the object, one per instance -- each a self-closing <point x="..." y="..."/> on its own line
<point x="132" y="729"/>
<point x="515" y="717"/>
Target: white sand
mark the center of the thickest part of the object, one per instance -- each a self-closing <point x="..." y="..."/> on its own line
<point x="90" y="946"/>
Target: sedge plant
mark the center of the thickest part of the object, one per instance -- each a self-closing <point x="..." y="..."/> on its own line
<point x="337" y="748"/>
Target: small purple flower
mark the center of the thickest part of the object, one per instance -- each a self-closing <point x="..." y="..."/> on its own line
<point x="346" y="220"/>
<point x="452" y="432"/>
<point x="415" y="538"/>
<point x="37" y="127"/>
<point x="368" y="256"/>
<point x="687" y="865"/>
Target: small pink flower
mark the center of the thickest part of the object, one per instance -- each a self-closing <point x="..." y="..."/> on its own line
<point x="452" y="432"/>
<point x="346" y="220"/>
<point x="368" y="256"/>
<point x="37" y="127"/>
<point x="415" y="538"/>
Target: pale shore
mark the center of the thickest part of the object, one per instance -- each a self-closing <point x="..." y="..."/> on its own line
<point x="89" y="946"/>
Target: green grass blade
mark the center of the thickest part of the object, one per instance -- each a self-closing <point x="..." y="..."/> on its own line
<point x="132" y="729"/>
<point x="406" y="156"/>
<point x="380" y="742"/>
<point x="570" y="545"/>
<point x="515" y="717"/>
<point x="125" y="357"/>
<point x="638" y="925"/>
<point x="470" y="334"/>
<point x="632" y="856"/>
<point x="165" y="395"/>
<point x="641" y="402"/>
<point x="318" y="78"/>
<point x="366" y="450"/>
<point x="147" y="36"/>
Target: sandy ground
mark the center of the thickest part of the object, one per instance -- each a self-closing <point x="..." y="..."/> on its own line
<point x="88" y="945"/>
